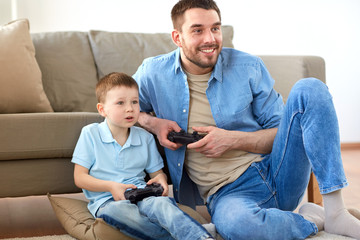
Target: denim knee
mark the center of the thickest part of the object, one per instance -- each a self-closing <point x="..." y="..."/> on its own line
<point x="312" y="88"/>
<point x="153" y="205"/>
<point x="311" y="83"/>
<point x="230" y="218"/>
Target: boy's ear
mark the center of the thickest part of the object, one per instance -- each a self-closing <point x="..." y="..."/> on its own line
<point x="100" y="108"/>
<point x="175" y="35"/>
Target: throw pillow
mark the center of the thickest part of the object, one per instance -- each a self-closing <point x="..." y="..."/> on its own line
<point x="21" y="88"/>
<point x="76" y="219"/>
<point x="68" y="68"/>
<point x="124" y="52"/>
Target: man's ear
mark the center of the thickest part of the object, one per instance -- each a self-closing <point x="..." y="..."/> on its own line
<point x="100" y="108"/>
<point x="175" y="35"/>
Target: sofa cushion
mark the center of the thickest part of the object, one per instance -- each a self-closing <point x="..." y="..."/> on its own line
<point x="76" y="219"/>
<point x="21" y="87"/>
<point x="68" y="69"/>
<point x="124" y="52"/>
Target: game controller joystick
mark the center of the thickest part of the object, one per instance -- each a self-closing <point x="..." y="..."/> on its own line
<point x="183" y="137"/>
<point x="138" y="194"/>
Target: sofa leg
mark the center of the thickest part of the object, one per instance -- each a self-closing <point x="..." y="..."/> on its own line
<point x="314" y="191"/>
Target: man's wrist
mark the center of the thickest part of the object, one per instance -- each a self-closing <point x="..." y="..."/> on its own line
<point x="164" y="176"/>
<point x="147" y="121"/>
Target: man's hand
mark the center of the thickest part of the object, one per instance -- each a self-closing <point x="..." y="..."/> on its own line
<point x="161" y="128"/>
<point x="164" y="127"/>
<point x="214" y="144"/>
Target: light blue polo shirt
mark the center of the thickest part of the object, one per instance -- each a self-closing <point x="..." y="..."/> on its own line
<point x="98" y="151"/>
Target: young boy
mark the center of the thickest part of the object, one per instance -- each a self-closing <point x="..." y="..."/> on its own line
<point x="112" y="156"/>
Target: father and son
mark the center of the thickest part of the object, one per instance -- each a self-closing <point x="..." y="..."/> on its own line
<point x="251" y="168"/>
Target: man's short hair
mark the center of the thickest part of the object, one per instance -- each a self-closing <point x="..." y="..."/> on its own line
<point x="177" y="12"/>
<point x="111" y="80"/>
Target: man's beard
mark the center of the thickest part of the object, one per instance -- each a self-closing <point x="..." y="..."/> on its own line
<point x="197" y="60"/>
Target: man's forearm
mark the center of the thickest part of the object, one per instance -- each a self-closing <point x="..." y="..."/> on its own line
<point x="257" y="142"/>
<point x="147" y="121"/>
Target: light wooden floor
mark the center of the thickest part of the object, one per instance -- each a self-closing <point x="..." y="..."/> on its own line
<point x="351" y="161"/>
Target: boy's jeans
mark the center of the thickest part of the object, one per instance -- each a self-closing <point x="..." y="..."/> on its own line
<point x="155" y="218"/>
<point x="258" y="204"/>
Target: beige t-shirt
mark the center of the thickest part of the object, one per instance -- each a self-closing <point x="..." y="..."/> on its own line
<point x="210" y="174"/>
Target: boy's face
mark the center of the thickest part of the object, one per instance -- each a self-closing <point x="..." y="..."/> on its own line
<point x="121" y="107"/>
<point x="200" y="40"/>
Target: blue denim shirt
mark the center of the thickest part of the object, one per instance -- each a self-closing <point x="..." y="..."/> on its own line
<point x="240" y="92"/>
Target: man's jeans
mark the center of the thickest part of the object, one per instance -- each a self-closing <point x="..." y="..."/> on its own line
<point x="156" y="218"/>
<point x="258" y="204"/>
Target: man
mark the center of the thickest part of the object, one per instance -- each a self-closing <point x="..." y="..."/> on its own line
<point x="253" y="165"/>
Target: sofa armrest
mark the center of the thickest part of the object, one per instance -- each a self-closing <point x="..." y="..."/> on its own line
<point x="287" y="70"/>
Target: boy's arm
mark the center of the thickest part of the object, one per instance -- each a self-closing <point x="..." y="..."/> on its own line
<point x="85" y="181"/>
<point x="161" y="178"/>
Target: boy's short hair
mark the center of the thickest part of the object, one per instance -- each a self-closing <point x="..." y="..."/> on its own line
<point x="111" y="80"/>
<point x="177" y="12"/>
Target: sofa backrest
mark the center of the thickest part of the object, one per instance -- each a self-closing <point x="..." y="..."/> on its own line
<point x="124" y="52"/>
<point x="68" y="70"/>
<point x="72" y="62"/>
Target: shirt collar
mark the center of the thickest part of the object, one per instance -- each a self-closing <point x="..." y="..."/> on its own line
<point x="106" y="136"/>
<point x="217" y="72"/>
<point x="177" y="65"/>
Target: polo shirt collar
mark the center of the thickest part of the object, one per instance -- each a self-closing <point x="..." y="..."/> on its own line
<point x="106" y="136"/>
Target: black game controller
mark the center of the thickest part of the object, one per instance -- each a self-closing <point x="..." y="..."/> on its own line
<point x="183" y="137"/>
<point x="138" y="194"/>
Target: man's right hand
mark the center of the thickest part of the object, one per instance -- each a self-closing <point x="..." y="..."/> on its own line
<point x="161" y="128"/>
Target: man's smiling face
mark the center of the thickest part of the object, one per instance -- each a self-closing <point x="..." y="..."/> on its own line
<point x="200" y="40"/>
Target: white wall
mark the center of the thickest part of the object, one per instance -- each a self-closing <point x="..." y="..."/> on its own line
<point x="328" y="28"/>
<point x="5" y="11"/>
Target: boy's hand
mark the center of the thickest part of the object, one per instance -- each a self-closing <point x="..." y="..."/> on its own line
<point x="162" y="180"/>
<point x="117" y="190"/>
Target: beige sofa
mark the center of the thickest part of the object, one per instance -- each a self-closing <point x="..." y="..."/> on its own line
<point x="37" y="141"/>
